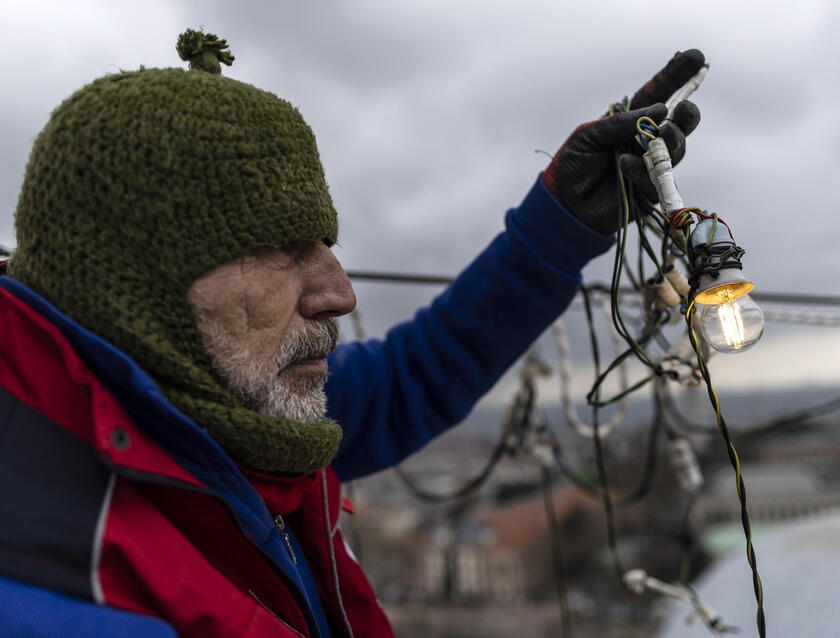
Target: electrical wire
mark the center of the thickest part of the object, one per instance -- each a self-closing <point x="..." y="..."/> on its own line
<point x="564" y="376"/>
<point x="597" y="442"/>
<point x="736" y="465"/>
<point x="672" y="231"/>
<point x="557" y="562"/>
<point x="517" y="423"/>
<point x="740" y="431"/>
<point x="471" y="485"/>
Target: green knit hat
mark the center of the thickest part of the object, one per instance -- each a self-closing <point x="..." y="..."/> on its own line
<point x="141" y="182"/>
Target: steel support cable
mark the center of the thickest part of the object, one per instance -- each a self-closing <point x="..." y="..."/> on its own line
<point x="822" y="320"/>
<point x="442" y="280"/>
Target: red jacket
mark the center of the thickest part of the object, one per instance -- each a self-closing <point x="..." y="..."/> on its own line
<point x="120" y="522"/>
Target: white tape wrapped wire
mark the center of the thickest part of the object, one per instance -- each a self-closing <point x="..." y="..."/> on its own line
<point x="657" y="158"/>
<point x="564" y="372"/>
<point x="685" y="92"/>
<point x="638" y="581"/>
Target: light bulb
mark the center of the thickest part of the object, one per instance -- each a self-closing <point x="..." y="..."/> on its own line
<point x="733" y="324"/>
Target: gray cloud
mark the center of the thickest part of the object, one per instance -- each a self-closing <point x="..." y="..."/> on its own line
<point x="428" y="113"/>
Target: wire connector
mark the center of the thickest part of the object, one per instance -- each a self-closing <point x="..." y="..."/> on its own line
<point x="666" y="295"/>
<point x="681" y="363"/>
<point x="661" y="171"/>
<point x="684" y="461"/>
<point x="677" y="279"/>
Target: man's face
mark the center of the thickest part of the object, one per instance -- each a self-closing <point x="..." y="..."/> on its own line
<point x="268" y="323"/>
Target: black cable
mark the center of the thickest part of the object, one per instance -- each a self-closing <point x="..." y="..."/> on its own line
<point x="516" y="422"/>
<point x="557" y="563"/>
<point x="470" y="486"/>
<point x="792" y="418"/>
<point x="711" y="259"/>
<point x="796" y="417"/>
<point x="648" y="473"/>
<point x="628" y="210"/>
<point x="603" y="480"/>
<point x="686" y="541"/>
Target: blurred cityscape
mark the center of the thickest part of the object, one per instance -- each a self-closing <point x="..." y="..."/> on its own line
<point x="482" y="566"/>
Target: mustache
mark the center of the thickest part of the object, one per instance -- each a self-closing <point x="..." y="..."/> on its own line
<point x="315" y="341"/>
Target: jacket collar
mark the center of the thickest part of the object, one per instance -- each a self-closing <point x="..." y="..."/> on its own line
<point x="176" y="436"/>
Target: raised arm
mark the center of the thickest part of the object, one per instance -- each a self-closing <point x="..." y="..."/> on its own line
<point x="393" y="396"/>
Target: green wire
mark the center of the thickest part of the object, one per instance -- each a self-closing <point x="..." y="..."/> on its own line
<point x="741" y="487"/>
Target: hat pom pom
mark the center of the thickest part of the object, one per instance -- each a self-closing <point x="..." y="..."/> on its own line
<point x="204" y="51"/>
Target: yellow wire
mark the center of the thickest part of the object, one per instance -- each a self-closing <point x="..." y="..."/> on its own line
<point x="713" y="229"/>
<point x="736" y="461"/>
<point x="650" y="122"/>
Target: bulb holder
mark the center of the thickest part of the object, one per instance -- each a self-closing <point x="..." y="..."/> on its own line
<point x="728" y="285"/>
<point x="717" y="274"/>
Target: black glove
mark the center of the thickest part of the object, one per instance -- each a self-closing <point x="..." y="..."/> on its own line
<point x="582" y="173"/>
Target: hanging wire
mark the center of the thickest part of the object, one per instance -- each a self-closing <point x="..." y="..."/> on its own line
<point x="736" y="465"/>
<point x="557" y="562"/>
<point x="638" y="581"/>
<point x="515" y="428"/>
<point x="639" y="333"/>
<point x="603" y="480"/>
<point x="564" y="374"/>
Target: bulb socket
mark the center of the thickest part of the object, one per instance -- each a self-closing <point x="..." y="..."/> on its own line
<point x="717" y="273"/>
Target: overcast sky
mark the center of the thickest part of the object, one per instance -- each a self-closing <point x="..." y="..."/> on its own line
<point x="428" y="114"/>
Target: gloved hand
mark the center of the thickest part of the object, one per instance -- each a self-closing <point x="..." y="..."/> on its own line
<point x="582" y="173"/>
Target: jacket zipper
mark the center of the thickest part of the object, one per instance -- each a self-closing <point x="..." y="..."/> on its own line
<point x="303" y="605"/>
<point x="280" y="524"/>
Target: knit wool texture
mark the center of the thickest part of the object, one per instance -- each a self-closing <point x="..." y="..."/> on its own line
<point x="143" y="181"/>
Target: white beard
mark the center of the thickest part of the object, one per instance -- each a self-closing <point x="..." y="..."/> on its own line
<point x="262" y="381"/>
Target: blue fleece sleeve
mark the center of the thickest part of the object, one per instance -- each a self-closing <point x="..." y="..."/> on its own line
<point x="27" y="611"/>
<point x="393" y="396"/>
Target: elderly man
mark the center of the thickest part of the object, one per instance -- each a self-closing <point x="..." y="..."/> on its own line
<point x="169" y="457"/>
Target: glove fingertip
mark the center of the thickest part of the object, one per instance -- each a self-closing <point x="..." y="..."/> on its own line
<point x="687" y="116"/>
<point x="693" y="57"/>
<point x="674" y="139"/>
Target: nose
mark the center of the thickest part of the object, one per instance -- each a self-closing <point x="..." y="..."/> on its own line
<point x="327" y="291"/>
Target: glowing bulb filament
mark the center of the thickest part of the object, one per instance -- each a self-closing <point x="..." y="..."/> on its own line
<point x="729" y="315"/>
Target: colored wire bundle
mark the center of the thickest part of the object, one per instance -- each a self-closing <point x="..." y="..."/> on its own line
<point x="673" y="231"/>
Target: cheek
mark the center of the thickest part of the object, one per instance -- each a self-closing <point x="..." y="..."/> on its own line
<point x="268" y="316"/>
